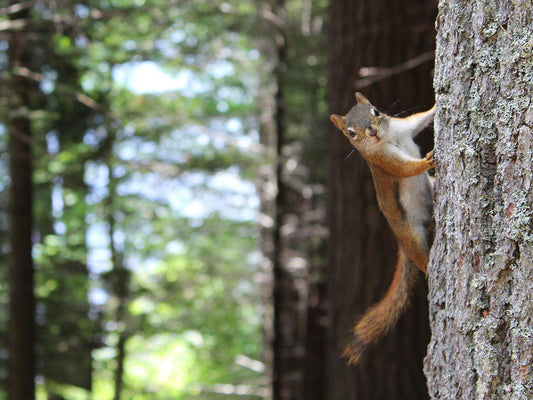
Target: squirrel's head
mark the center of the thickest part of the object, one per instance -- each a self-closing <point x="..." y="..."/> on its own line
<point x="362" y="123"/>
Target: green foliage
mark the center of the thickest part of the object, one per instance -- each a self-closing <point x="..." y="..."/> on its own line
<point x="132" y="235"/>
<point x="145" y="199"/>
<point x="198" y="307"/>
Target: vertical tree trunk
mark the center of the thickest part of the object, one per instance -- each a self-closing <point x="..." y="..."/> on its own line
<point x="21" y="296"/>
<point x="286" y="346"/>
<point x="119" y="371"/>
<point x="363" y="250"/>
<point x="265" y="187"/>
<point x="284" y="349"/>
<point x="291" y="199"/>
<point x="481" y="273"/>
<point x="119" y="277"/>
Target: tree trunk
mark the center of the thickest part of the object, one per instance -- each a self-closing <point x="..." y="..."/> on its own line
<point x="21" y="296"/>
<point x="119" y="371"/>
<point x="297" y="232"/>
<point x="119" y="277"/>
<point x="291" y="192"/>
<point x="285" y="360"/>
<point x="481" y="271"/>
<point x="398" y="35"/>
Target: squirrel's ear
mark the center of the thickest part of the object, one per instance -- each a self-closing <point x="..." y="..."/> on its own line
<point x="361" y="99"/>
<point x="338" y="121"/>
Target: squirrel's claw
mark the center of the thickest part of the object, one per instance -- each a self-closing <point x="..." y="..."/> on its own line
<point x="430" y="160"/>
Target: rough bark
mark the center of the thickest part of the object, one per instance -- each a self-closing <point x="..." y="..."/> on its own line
<point x="481" y="271"/>
<point x="363" y="250"/>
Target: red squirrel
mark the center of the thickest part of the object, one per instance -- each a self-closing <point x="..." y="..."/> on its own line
<point x="404" y="193"/>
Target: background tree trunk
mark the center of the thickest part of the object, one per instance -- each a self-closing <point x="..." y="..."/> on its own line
<point x="396" y="35"/>
<point x="481" y="271"/>
<point x="291" y="188"/>
<point x="21" y="278"/>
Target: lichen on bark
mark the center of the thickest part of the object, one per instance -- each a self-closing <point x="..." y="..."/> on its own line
<point x="481" y="270"/>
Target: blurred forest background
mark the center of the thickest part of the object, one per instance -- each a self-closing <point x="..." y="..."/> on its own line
<point x="164" y="171"/>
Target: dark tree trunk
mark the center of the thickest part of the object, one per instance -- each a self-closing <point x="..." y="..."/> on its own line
<point x="314" y="383"/>
<point x="119" y="371"/>
<point x="298" y="258"/>
<point x="285" y="346"/>
<point x="119" y="277"/>
<point x="280" y="324"/>
<point x="362" y="248"/>
<point x="21" y="278"/>
<point x="292" y="206"/>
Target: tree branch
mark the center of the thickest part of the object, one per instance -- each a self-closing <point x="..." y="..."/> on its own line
<point x="14" y="25"/>
<point x="372" y="75"/>
<point x="233" y="390"/>
<point x="15" y="8"/>
<point x="81" y="97"/>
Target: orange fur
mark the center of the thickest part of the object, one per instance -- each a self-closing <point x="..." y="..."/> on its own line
<point x="404" y="194"/>
<point x="381" y="317"/>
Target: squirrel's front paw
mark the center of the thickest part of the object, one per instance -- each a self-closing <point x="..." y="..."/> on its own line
<point x="430" y="160"/>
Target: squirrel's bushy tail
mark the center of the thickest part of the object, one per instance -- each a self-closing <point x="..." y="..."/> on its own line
<point x="382" y="316"/>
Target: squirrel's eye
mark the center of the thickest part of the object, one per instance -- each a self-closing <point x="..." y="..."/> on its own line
<point x="351" y="131"/>
<point x="374" y="112"/>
